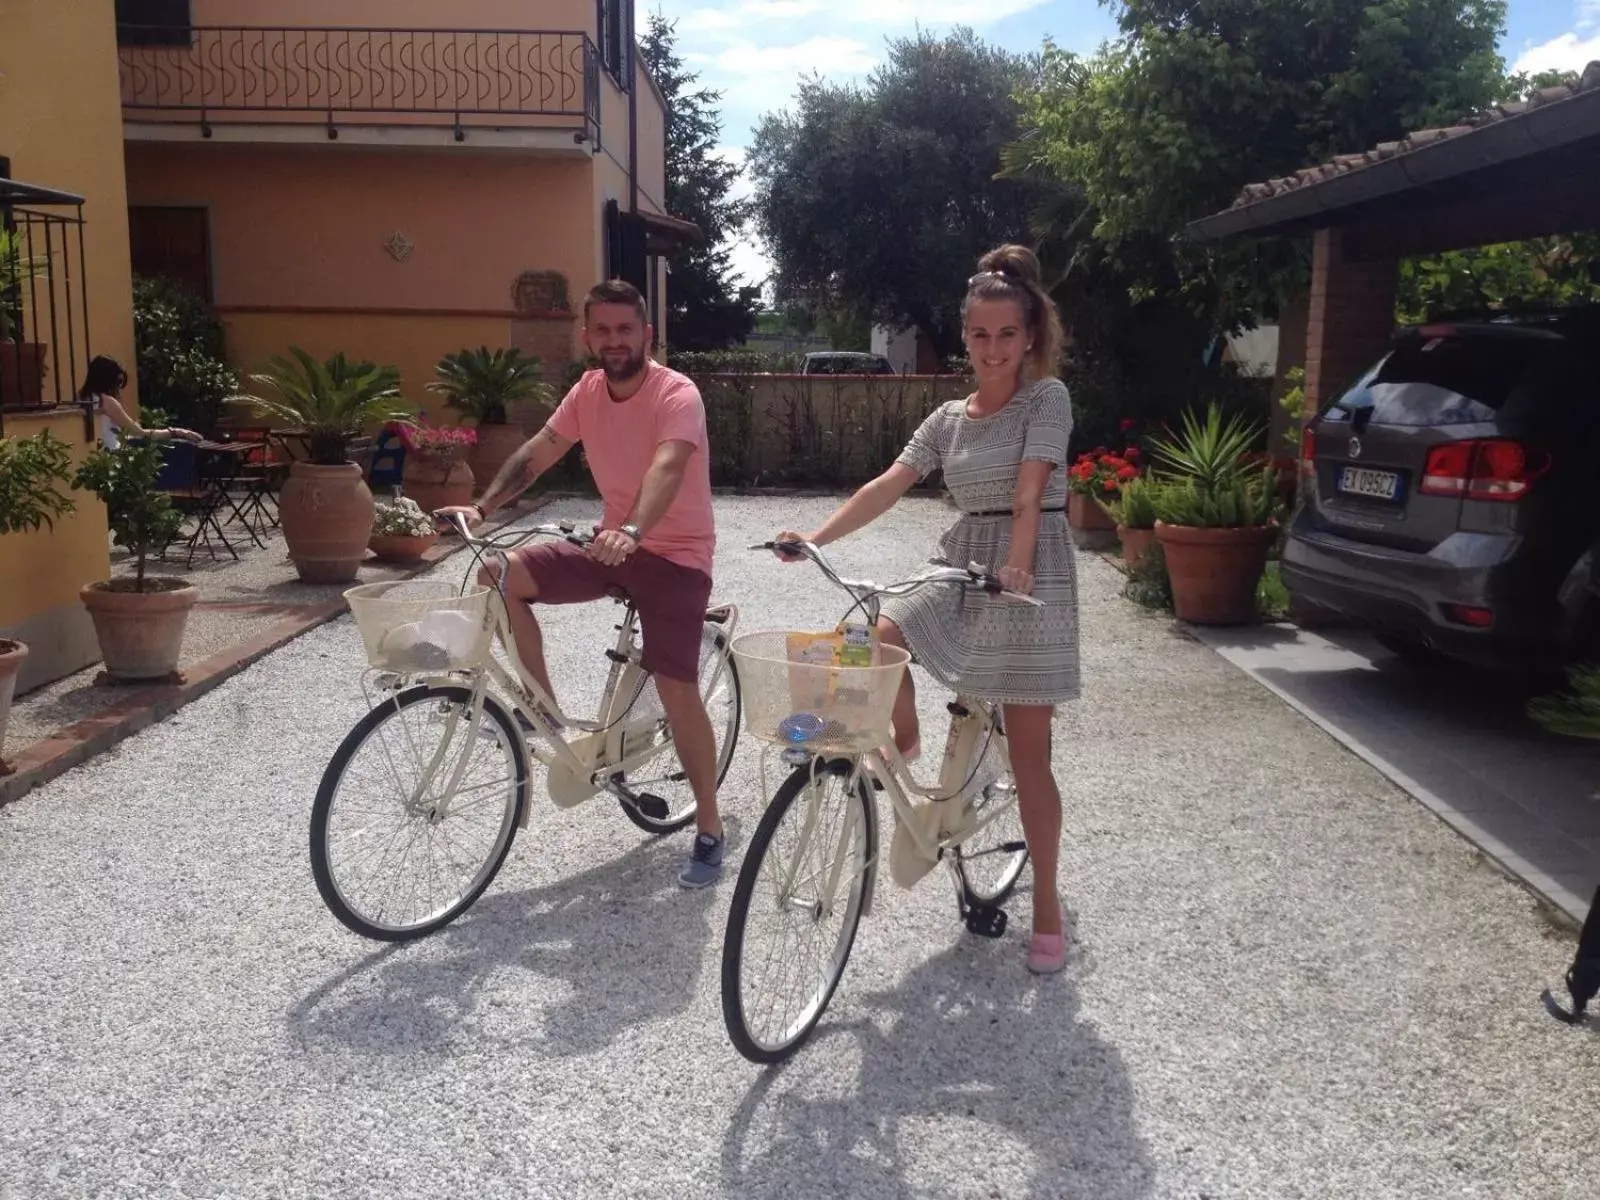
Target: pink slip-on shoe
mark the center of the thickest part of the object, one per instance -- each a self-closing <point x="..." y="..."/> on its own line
<point x="1047" y="952"/>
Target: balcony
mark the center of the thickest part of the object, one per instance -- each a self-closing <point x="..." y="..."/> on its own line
<point x="44" y="304"/>
<point x="510" y="88"/>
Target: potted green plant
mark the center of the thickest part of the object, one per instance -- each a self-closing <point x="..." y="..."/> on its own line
<point x="139" y="621"/>
<point x="32" y="470"/>
<point x="503" y="393"/>
<point x="1134" y="510"/>
<point x="436" y="471"/>
<point x="21" y="363"/>
<point x="1576" y="711"/>
<point x="1216" y="518"/>
<point x="325" y="506"/>
<point x="401" y="531"/>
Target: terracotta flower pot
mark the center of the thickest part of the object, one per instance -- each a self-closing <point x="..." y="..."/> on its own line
<point x="398" y="547"/>
<point x="1134" y="543"/>
<point x="433" y="483"/>
<point x="22" y="373"/>
<point x="1215" y="572"/>
<point x="326" y="512"/>
<point x="496" y="443"/>
<point x="140" y="633"/>
<point x="1085" y="512"/>
<point x="12" y="655"/>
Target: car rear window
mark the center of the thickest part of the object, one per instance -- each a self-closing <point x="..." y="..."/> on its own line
<point x="1445" y="380"/>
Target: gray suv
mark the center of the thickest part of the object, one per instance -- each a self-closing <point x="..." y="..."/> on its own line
<point x="1450" y="499"/>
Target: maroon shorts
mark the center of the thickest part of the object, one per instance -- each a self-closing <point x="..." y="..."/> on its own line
<point x="671" y="599"/>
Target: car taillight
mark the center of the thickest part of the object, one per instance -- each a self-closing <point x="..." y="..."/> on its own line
<point x="1308" y="445"/>
<point x="1466" y="614"/>
<point x="1493" y="469"/>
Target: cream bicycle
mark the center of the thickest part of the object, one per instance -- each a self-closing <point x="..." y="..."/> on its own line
<point x="418" y="807"/>
<point x="810" y="872"/>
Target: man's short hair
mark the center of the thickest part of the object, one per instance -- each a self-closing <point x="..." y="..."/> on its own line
<point x="615" y="291"/>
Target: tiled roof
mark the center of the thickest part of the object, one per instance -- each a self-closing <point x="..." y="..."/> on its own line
<point x="1343" y="164"/>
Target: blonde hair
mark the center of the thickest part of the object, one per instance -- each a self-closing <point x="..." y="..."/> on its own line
<point x="1012" y="273"/>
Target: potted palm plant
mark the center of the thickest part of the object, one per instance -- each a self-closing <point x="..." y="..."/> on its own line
<point x="31" y="472"/>
<point x="1216" y="518"/>
<point x="489" y="387"/>
<point x="21" y="363"/>
<point x="139" y="621"/>
<point x="325" y="506"/>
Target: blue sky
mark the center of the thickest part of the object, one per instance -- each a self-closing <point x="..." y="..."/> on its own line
<point x="756" y="50"/>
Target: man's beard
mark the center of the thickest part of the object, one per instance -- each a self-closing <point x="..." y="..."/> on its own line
<point x="630" y="367"/>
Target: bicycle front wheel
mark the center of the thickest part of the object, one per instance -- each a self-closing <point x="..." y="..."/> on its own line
<point x="416" y="812"/>
<point x="990" y="862"/>
<point x="796" y="909"/>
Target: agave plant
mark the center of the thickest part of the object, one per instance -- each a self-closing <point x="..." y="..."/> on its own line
<point x="1134" y="506"/>
<point x="331" y="402"/>
<point x="1238" y="502"/>
<point x="482" y="383"/>
<point x="1215" y="453"/>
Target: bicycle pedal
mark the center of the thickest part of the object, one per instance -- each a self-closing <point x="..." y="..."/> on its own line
<point x="986" y="922"/>
<point x="652" y="806"/>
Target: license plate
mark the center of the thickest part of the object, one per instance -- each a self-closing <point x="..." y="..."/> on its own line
<point x="1363" y="481"/>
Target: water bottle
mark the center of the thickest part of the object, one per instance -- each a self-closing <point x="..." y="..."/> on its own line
<point x="800" y="727"/>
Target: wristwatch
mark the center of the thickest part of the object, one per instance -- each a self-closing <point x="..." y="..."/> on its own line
<point x="632" y="531"/>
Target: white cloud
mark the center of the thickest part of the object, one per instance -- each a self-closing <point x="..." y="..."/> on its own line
<point x="752" y="14"/>
<point x="1569" y="52"/>
<point x="831" y="54"/>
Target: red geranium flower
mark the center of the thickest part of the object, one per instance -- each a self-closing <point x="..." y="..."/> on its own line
<point x="1110" y="485"/>
<point x="1127" y="473"/>
<point x="1131" y="454"/>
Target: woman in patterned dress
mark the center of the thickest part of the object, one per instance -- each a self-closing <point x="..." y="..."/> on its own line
<point x="1003" y="451"/>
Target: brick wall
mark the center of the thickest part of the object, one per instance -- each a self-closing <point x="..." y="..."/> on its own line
<point x="1351" y="319"/>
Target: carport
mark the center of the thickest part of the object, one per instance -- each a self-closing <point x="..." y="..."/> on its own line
<point x="1465" y="751"/>
<point x="1521" y="170"/>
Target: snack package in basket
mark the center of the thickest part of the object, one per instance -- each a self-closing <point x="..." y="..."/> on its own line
<point x="830" y="693"/>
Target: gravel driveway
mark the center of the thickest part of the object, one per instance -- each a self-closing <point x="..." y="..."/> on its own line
<point x="1290" y="981"/>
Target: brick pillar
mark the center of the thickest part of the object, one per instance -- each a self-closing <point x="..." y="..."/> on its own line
<point x="1352" y="316"/>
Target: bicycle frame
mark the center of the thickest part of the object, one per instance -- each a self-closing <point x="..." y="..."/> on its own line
<point x="608" y="746"/>
<point x="973" y="727"/>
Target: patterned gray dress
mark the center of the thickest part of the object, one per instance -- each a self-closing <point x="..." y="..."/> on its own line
<point x="993" y="649"/>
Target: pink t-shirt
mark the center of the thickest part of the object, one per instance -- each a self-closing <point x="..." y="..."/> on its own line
<point x="621" y="439"/>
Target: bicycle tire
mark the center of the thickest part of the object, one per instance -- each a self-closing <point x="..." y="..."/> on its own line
<point x="748" y="1042"/>
<point x="716" y="641"/>
<point x="322" y="868"/>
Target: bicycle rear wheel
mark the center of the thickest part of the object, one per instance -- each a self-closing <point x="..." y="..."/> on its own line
<point x="663" y="777"/>
<point x="796" y="909"/>
<point x="990" y="863"/>
<point x="417" y="811"/>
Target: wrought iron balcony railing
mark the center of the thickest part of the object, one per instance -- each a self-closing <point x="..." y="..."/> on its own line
<point x="44" y="304"/>
<point x="458" y="79"/>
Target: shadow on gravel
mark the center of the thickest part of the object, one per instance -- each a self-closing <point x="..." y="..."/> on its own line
<point x="599" y="937"/>
<point x="971" y="1078"/>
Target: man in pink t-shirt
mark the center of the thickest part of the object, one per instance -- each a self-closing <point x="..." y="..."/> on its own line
<point x="643" y="429"/>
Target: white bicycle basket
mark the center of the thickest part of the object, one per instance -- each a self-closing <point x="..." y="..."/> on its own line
<point x="821" y="706"/>
<point x="416" y="626"/>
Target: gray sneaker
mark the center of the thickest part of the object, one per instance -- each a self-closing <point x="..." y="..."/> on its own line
<point x="705" y="863"/>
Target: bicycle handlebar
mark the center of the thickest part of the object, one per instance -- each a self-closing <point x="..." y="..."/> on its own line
<point x="561" y="529"/>
<point x="861" y="589"/>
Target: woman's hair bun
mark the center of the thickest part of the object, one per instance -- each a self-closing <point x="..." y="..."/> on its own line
<point x="1014" y="262"/>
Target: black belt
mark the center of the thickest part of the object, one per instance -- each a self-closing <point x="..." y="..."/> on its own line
<point x="1006" y="512"/>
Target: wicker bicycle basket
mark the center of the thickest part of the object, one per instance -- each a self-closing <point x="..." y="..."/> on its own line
<point x="415" y="626"/>
<point x="817" y="706"/>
